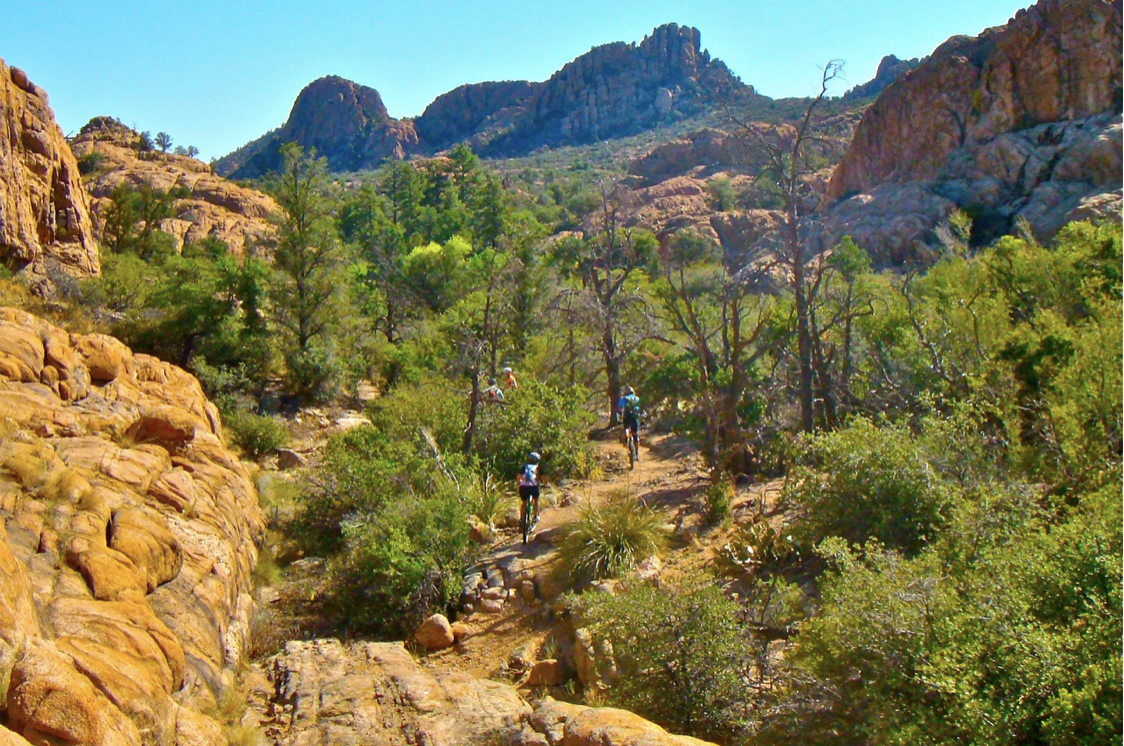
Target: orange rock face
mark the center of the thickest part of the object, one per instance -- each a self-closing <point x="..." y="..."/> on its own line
<point x="1020" y="123"/>
<point x="44" y="216"/>
<point x="127" y="541"/>
<point x="214" y="207"/>
<point x="1059" y="60"/>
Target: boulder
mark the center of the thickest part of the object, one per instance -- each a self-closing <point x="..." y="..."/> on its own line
<point x="435" y="633"/>
<point x="549" y="672"/>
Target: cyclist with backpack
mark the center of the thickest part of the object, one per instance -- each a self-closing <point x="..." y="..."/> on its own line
<point x="528" y="491"/>
<point x="629" y="406"/>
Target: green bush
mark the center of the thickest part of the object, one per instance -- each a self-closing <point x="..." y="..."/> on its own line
<point x="867" y="482"/>
<point x="610" y="539"/>
<point x="256" y="435"/>
<point x="1005" y="630"/>
<point x="537" y="417"/>
<point x="681" y="655"/>
<point x="402" y="562"/>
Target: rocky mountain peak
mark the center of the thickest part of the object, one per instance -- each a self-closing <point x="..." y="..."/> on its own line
<point x="621" y="88"/>
<point x="345" y="122"/>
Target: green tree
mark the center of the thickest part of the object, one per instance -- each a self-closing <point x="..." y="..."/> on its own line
<point x="307" y="259"/>
<point x="163" y="141"/>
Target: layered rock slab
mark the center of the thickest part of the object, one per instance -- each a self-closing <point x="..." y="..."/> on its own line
<point x="127" y="542"/>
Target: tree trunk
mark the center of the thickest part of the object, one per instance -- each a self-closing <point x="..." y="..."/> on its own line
<point x="803" y="332"/>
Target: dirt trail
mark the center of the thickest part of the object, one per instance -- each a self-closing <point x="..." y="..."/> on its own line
<point x="666" y="479"/>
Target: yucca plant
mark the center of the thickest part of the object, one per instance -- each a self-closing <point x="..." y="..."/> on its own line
<point x="610" y="539"/>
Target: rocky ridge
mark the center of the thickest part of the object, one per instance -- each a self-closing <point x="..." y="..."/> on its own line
<point x="214" y="207"/>
<point x="612" y="90"/>
<point x="127" y="541"/>
<point x="889" y="70"/>
<point x="1020" y="122"/>
<point x="475" y="113"/>
<point x="44" y="215"/>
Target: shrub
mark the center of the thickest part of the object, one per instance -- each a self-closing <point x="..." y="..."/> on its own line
<point x="681" y="656"/>
<point x="718" y="497"/>
<point x="256" y="435"/>
<point x="867" y="482"/>
<point x="402" y="563"/>
<point x="608" y="540"/>
<point x="1005" y="630"/>
<point x="537" y="417"/>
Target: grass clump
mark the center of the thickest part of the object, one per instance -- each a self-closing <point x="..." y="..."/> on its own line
<point x="609" y="540"/>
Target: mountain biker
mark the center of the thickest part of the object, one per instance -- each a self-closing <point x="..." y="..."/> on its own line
<point x="629" y="406"/>
<point x="509" y="381"/>
<point x="493" y="393"/>
<point x="529" y="485"/>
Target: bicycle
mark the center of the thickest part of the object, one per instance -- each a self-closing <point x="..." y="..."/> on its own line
<point x="528" y="515"/>
<point x="633" y="442"/>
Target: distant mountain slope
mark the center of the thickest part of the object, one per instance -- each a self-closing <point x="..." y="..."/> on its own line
<point x="889" y="70"/>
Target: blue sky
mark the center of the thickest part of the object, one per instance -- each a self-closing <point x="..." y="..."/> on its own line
<point x="218" y="74"/>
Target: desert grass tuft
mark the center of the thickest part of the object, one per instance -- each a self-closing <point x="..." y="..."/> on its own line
<point x="609" y="540"/>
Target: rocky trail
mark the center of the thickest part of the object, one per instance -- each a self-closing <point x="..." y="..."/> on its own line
<point x="516" y="668"/>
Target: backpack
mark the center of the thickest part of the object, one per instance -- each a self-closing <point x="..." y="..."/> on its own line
<point x="632" y="406"/>
<point x="529" y="477"/>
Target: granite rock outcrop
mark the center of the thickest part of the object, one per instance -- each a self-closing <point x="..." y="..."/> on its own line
<point x="475" y="113"/>
<point x="212" y="208"/>
<point x="44" y="212"/>
<point x="620" y="88"/>
<point x="127" y="541"/>
<point x="325" y="692"/>
<point x="1020" y="122"/>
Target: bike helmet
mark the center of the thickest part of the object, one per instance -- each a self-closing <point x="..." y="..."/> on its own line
<point x="628" y="391"/>
<point x="507" y="370"/>
<point x="534" y="457"/>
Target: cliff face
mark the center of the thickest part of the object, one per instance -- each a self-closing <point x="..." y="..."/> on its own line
<point x="1022" y="121"/>
<point x="127" y="540"/>
<point x="43" y="211"/>
<point x="466" y="111"/>
<point x="214" y="207"/>
<point x="345" y="122"/>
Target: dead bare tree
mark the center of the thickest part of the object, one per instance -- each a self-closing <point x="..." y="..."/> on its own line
<point x="789" y="159"/>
